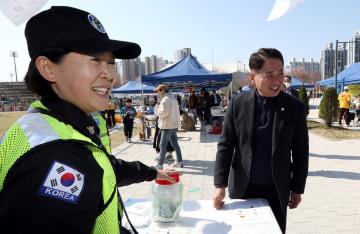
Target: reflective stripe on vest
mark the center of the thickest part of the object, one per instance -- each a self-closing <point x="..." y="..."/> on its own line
<point x="34" y="129"/>
<point x="37" y="130"/>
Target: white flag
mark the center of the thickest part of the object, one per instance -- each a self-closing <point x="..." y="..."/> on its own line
<point x="281" y="7"/>
<point x="20" y="11"/>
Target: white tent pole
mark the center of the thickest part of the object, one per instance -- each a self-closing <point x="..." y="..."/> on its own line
<point x="142" y="90"/>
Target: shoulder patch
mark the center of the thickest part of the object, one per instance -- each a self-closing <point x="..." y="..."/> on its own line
<point x="63" y="182"/>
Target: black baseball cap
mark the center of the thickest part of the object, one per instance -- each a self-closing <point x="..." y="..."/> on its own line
<point x="74" y="30"/>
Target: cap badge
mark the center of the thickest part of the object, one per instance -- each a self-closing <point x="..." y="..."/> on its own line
<point x="96" y="23"/>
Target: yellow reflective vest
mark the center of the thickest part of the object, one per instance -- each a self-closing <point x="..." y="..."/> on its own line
<point x="344" y="100"/>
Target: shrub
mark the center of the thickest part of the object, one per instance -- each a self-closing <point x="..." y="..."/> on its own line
<point x="329" y="106"/>
<point x="304" y="98"/>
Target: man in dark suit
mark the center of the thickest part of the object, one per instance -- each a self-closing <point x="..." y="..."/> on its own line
<point x="215" y="99"/>
<point x="263" y="148"/>
<point x="288" y="89"/>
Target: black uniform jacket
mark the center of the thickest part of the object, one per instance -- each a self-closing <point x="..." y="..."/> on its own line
<point x="24" y="210"/>
<point x="290" y="146"/>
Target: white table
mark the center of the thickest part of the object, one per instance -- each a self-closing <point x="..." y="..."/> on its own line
<point x="219" y="114"/>
<point x="251" y="216"/>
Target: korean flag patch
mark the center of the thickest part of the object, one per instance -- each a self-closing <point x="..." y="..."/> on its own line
<point x="63" y="182"/>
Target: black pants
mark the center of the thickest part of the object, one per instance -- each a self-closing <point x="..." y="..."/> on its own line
<point x="128" y="127"/>
<point x="110" y="120"/>
<point x="156" y="142"/>
<point x="268" y="192"/>
<point x="344" y="112"/>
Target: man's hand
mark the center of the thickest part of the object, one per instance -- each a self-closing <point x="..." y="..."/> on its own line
<point x="218" y="197"/>
<point x="295" y="199"/>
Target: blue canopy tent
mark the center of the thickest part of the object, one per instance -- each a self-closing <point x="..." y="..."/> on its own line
<point x="188" y="73"/>
<point x="134" y="86"/>
<point x="296" y="83"/>
<point x="350" y="75"/>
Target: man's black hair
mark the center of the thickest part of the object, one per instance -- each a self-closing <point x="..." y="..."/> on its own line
<point x="288" y="77"/>
<point x="257" y="59"/>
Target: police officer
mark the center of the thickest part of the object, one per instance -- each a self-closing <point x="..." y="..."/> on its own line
<point x="56" y="175"/>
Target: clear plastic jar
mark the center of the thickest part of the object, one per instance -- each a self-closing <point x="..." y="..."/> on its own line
<point x="166" y="199"/>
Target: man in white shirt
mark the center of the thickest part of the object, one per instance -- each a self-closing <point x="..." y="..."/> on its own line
<point x="169" y="122"/>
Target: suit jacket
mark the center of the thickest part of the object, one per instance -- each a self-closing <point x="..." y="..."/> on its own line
<point x="214" y="98"/>
<point x="294" y="92"/>
<point x="290" y="147"/>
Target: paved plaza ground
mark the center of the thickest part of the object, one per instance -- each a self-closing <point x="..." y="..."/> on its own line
<point x="331" y="203"/>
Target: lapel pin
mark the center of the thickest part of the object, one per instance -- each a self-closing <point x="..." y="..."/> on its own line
<point x="282" y="108"/>
<point x="91" y="129"/>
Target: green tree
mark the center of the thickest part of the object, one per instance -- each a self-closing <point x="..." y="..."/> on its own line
<point x="329" y="106"/>
<point x="304" y="98"/>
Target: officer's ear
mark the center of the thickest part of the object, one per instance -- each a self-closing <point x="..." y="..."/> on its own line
<point x="45" y="68"/>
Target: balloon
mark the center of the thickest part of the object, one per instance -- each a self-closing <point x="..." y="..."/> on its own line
<point x="21" y="10"/>
<point x="281" y="7"/>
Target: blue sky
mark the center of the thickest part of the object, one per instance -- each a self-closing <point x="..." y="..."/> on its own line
<point x="232" y="29"/>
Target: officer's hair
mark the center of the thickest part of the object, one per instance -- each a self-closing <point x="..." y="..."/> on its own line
<point x="257" y="59"/>
<point x="34" y="81"/>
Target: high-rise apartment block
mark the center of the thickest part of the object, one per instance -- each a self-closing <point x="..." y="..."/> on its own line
<point x="147" y="63"/>
<point x="347" y="53"/>
<point x="341" y="57"/>
<point x="307" y="66"/>
<point x="327" y="61"/>
<point x="153" y="63"/>
<point x="181" y="54"/>
<point x="353" y="47"/>
<point x="131" y="69"/>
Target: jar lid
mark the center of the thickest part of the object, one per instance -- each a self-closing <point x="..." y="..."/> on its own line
<point x="176" y="176"/>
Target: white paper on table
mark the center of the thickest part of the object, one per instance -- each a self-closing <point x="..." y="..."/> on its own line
<point x="281" y="7"/>
<point x="20" y="11"/>
<point x="139" y="215"/>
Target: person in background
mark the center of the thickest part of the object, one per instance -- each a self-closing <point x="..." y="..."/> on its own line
<point x="121" y="103"/>
<point x="204" y="106"/>
<point x="56" y="176"/>
<point x="288" y="89"/>
<point x="178" y="98"/>
<point x="356" y="104"/>
<point x="156" y="144"/>
<point x="215" y="99"/>
<point x="187" y="123"/>
<point x="193" y="105"/>
<point x="110" y="113"/>
<point x="128" y="114"/>
<point x="169" y="122"/>
<point x="344" y="104"/>
<point x="263" y="150"/>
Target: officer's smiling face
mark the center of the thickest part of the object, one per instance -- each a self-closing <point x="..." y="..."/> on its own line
<point x="85" y="80"/>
